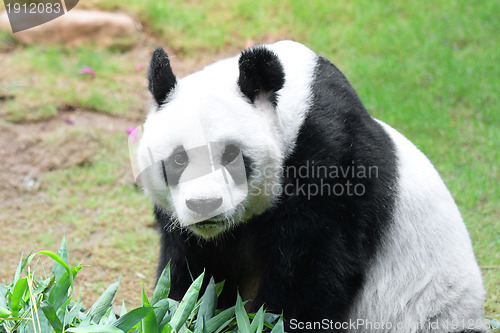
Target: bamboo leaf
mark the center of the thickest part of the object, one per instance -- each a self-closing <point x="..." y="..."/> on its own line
<point x="219" y="286"/>
<point x="57" y="268"/>
<point x="123" y="310"/>
<point x="278" y="328"/>
<point x="187" y="304"/>
<point x="58" y="294"/>
<point x="20" y="267"/>
<point x="74" y="311"/>
<point x="16" y="300"/>
<point x="241" y="316"/>
<point x="208" y="304"/>
<point x="172" y="306"/>
<point x="220" y="319"/>
<point x="43" y="285"/>
<point x="148" y="323"/>
<point x="4" y="312"/>
<point x="167" y="329"/>
<point x="161" y="308"/>
<point x="130" y="319"/>
<point x="200" y="325"/>
<point x="221" y="328"/>
<point x="57" y="259"/>
<point x="270" y="319"/>
<point x="51" y="315"/>
<point x="108" y="317"/>
<point x="162" y="288"/>
<point x="102" y="304"/>
<point x="258" y="321"/>
<point x="17" y="274"/>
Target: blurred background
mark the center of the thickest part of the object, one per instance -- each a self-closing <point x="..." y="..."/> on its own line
<point x="72" y="89"/>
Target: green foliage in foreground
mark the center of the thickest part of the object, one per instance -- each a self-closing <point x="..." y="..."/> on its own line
<point x="30" y="304"/>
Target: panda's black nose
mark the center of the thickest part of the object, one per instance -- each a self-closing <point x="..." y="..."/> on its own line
<point x="204" y="206"/>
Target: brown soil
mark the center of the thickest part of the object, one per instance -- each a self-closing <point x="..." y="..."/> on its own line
<point x="31" y="149"/>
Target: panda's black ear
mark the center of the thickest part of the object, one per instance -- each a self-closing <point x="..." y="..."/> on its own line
<point x="261" y="74"/>
<point x="161" y="79"/>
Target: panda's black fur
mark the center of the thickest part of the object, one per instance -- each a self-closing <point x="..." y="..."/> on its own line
<point x="161" y="79"/>
<point x="260" y="71"/>
<point x="311" y="254"/>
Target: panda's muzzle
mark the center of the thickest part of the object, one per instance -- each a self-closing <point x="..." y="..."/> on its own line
<point x="204" y="206"/>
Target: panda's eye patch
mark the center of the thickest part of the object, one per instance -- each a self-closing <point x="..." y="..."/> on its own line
<point x="230" y="154"/>
<point x="180" y="159"/>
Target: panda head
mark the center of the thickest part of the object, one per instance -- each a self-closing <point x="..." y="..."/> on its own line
<point x="211" y="151"/>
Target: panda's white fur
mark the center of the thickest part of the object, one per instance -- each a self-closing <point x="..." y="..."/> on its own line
<point x="424" y="272"/>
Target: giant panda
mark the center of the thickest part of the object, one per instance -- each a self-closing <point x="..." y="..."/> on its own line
<point x="266" y="171"/>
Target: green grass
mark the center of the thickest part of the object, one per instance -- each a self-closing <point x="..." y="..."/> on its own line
<point x="429" y="69"/>
<point x="191" y="27"/>
<point x="44" y="80"/>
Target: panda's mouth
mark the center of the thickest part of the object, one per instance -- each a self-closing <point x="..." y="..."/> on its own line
<point x="207" y="224"/>
<point x="211" y="222"/>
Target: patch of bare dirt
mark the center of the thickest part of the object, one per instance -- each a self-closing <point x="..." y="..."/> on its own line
<point x="31" y="149"/>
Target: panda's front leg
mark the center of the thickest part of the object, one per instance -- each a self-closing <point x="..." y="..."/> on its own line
<point x="313" y="288"/>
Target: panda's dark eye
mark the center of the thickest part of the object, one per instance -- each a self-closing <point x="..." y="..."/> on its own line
<point x="230" y="154"/>
<point x="180" y="159"/>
